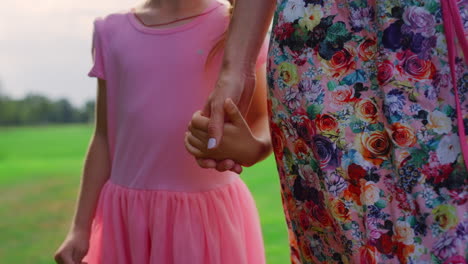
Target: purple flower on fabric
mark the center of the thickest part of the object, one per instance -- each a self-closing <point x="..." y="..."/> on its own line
<point x="394" y="103"/>
<point x="360" y="17"/>
<point x="427" y="45"/>
<point x="432" y="92"/>
<point x="310" y="89"/>
<point x="418" y="20"/>
<point x="327" y="152"/>
<point x="445" y="247"/>
<point x="335" y="184"/>
<point x="464" y="15"/>
<point x="392" y="36"/>
<point x="462" y="230"/>
<point x="292" y="98"/>
<point x="416" y="43"/>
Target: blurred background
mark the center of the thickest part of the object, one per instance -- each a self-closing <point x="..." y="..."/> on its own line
<point x="46" y="120"/>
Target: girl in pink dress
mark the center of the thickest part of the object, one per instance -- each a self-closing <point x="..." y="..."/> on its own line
<point x="143" y="198"/>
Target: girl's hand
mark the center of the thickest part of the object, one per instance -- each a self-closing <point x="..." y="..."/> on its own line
<point x="239" y="85"/>
<point x="74" y="248"/>
<point x="238" y="144"/>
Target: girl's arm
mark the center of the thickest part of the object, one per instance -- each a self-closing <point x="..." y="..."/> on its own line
<point x="246" y="141"/>
<point x="95" y="174"/>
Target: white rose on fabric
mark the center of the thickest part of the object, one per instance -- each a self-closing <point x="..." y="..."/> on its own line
<point x="370" y="194"/>
<point x="404" y="233"/>
<point x="293" y="10"/>
<point x="312" y="17"/>
<point x="440" y="122"/>
<point x="449" y="148"/>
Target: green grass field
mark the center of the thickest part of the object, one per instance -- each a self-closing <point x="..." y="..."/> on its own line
<point x="39" y="175"/>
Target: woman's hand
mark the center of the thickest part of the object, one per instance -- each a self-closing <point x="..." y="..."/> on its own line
<point x="239" y="85"/>
<point x="238" y="144"/>
<point x="74" y="248"/>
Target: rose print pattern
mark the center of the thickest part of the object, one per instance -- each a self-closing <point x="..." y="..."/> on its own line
<point x="364" y="129"/>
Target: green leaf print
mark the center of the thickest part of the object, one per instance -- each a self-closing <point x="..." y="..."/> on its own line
<point x="432" y="7"/>
<point x="338" y="33"/>
<point x="314" y="164"/>
<point x="331" y="86"/>
<point x="435" y="260"/>
<point x="381" y="204"/>
<point x="376" y="127"/>
<point x="419" y="158"/>
<point x="411" y="220"/>
<point x="357" y="126"/>
<point x="417" y="240"/>
<point x="314" y="110"/>
<point x="448" y="110"/>
<point x="347" y="226"/>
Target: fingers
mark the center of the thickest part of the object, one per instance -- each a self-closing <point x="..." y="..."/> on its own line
<point x="206" y="163"/>
<point x="237" y="169"/>
<point x="191" y="149"/>
<point x="200" y="134"/>
<point x="195" y="142"/>
<point x="225" y="165"/>
<point x="200" y="122"/>
<point x="215" y="125"/>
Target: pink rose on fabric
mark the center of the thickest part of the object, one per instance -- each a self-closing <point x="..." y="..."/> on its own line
<point x="417" y="68"/>
<point x="342" y="94"/>
<point x="384" y="71"/>
<point x="418" y="20"/>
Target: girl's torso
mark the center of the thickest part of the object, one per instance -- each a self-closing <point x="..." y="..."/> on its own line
<point x="156" y="79"/>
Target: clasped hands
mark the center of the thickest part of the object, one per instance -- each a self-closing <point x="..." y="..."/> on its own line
<point x="238" y="146"/>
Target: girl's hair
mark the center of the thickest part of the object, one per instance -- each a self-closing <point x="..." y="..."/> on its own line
<point x="219" y="46"/>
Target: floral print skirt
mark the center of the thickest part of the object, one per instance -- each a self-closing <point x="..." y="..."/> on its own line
<point x="368" y="111"/>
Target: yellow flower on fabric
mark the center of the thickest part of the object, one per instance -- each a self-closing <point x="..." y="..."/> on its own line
<point x="312" y="16"/>
<point x="446" y="216"/>
<point x="288" y="73"/>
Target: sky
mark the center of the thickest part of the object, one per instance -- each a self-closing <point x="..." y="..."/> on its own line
<point x="45" y="46"/>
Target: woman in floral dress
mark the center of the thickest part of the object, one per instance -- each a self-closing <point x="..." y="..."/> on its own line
<point x="368" y="117"/>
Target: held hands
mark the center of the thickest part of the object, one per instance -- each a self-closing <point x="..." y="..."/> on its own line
<point x="239" y="85"/>
<point x="238" y="144"/>
<point x="73" y="249"/>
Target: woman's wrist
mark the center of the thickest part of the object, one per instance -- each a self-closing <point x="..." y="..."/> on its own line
<point x="234" y="64"/>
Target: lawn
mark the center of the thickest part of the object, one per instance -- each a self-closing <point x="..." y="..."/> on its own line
<point x="39" y="176"/>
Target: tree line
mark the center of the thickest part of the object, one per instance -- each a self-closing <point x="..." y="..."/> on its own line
<point x="36" y="109"/>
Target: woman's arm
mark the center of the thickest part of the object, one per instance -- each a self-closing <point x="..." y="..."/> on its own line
<point x="95" y="174"/>
<point x="257" y="116"/>
<point x="247" y="30"/>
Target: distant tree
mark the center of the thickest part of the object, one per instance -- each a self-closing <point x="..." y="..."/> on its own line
<point x="88" y="111"/>
<point x="36" y="109"/>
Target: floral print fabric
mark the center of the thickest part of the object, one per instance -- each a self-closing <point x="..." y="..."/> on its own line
<point x="364" y="127"/>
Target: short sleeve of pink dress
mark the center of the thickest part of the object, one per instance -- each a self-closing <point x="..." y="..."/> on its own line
<point x="97" y="51"/>
<point x="158" y="205"/>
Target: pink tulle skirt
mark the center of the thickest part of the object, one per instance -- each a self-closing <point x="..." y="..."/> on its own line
<point x="218" y="226"/>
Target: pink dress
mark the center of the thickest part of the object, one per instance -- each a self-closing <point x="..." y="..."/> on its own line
<point x="158" y="205"/>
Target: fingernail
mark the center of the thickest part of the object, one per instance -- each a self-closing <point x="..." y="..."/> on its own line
<point x="211" y="143"/>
